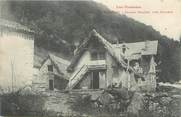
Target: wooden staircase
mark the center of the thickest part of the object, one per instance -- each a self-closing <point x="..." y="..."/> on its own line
<point x="75" y="78"/>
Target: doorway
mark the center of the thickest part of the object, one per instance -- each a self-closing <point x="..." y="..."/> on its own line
<point x="51" y="87"/>
<point x="95" y="80"/>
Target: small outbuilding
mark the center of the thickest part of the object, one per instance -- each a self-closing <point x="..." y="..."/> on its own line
<point x="52" y="74"/>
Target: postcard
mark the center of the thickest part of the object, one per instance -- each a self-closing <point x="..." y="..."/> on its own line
<point x="94" y="58"/>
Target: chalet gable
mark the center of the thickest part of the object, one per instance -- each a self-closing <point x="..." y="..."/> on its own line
<point x="110" y="48"/>
<point x="58" y="63"/>
<point x="81" y="49"/>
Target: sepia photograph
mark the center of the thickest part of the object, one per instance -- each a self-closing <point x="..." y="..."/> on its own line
<point x="90" y="58"/>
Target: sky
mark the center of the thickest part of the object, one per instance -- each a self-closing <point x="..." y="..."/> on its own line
<point x="162" y="15"/>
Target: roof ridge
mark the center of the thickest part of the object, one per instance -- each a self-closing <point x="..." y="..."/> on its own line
<point x="114" y="44"/>
<point x="59" y="58"/>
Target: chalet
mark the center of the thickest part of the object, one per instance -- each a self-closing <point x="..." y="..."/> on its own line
<point x="98" y="64"/>
<point x="52" y="74"/>
<point x="16" y="54"/>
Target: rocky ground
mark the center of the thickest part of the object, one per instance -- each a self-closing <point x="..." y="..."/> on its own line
<point x="165" y="102"/>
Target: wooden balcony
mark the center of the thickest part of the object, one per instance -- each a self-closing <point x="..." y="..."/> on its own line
<point x="96" y="64"/>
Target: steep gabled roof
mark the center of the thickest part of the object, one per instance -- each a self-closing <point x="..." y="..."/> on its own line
<point x="78" y="53"/>
<point x="59" y="63"/>
<point x="137" y="49"/>
<point x="107" y="45"/>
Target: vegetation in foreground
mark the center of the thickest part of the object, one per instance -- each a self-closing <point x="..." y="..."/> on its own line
<point x="166" y="102"/>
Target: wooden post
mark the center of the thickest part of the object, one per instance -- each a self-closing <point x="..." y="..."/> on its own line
<point x="12" y="75"/>
<point x="128" y="78"/>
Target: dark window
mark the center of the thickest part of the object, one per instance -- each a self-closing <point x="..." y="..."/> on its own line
<point x="50" y="68"/>
<point x="51" y="87"/>
<point x="95" y="80"/>
<point x="102" y="55"/>
<point x="94" y="56"/>
<point x="98" y="56"/>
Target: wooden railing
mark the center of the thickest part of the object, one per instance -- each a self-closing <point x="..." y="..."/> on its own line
<point x="77" y="76"/>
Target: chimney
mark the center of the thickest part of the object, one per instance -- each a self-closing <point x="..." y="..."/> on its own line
<point x="76" y="44"/>
<point x="117" y="42"/>
<point x="123" y="48"/>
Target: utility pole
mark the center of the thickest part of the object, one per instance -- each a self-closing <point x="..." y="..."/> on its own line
<point x="12" y="74"/>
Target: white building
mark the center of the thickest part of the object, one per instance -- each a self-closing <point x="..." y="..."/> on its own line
<point x="16" y="55"/>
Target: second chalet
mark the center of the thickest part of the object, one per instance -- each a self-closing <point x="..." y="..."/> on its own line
<point x="52" y="74"/>
<point x="98" y="64"/>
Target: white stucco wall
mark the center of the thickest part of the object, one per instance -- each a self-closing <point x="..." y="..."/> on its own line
<point x="85" y="59"/>
<point x="18" y="49"/>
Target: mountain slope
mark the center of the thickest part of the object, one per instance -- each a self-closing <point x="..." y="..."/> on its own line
<point x="60" y="24"/>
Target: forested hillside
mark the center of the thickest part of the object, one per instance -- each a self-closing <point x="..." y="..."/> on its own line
<point x="59" y="24"/>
